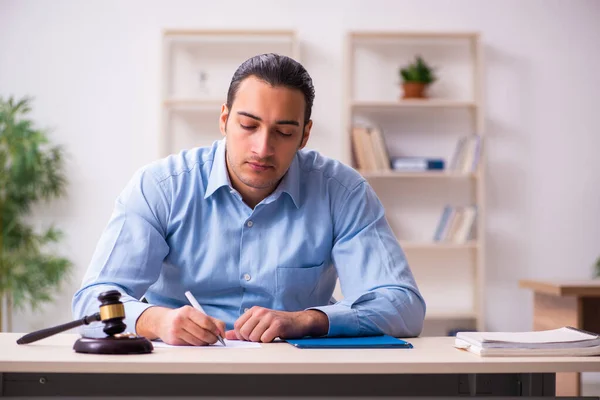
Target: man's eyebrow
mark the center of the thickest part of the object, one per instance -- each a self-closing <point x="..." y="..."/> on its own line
<point x="249" y="115"/>
<point x="287" y="122"/>
<point x="280" y="122"/>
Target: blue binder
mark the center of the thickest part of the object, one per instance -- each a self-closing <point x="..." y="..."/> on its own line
<point x="362" y="342"/>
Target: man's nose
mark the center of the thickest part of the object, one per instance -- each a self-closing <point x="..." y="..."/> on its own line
<point x="262" y="144"/>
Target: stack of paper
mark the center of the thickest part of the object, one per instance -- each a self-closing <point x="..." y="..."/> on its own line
<point x="565" y="341"/>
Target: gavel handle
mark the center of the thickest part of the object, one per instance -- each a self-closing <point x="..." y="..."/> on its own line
<point x="44" y="333"/>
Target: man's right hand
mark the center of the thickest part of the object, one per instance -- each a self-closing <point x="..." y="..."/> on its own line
<point x="183" y="326"/>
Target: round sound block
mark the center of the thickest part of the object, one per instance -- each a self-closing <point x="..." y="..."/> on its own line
<point x="114" y="345"/>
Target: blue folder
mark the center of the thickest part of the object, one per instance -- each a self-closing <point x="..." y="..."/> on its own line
<point x="362" y="342"/>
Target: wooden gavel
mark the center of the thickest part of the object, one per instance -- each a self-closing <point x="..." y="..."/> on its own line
<point x="112" y="313"/>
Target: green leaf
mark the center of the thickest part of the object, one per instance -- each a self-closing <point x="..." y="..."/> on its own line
<point x="418" y="71"/>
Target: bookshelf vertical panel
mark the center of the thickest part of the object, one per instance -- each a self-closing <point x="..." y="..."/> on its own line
<point x="480" y="195"/>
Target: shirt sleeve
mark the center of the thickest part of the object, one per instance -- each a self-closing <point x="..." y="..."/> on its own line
<point x="380" y="292"/>
<point x="129" y="254"/>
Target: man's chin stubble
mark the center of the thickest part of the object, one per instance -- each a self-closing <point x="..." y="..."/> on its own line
<point x="257" y="185"/>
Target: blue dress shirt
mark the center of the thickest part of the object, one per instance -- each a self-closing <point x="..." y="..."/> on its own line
<point x="179" y="225"/>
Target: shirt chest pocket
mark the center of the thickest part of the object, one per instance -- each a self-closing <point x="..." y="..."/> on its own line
<point x="297" y="286"/>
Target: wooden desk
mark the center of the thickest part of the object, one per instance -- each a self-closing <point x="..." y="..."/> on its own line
<point x="566" y="303"/>
<point x="432" y="368"/>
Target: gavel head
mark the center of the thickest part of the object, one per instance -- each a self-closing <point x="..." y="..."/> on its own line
<point x="112" y="312"/>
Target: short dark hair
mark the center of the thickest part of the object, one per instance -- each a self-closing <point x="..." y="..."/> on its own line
<point x="276" y="70"/>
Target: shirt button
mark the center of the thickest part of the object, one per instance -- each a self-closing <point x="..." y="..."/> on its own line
<point x="249" y="224"/>
<point x="247" y="277"/>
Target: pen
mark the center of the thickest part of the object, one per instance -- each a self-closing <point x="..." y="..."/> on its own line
<point x="198" y="307"/>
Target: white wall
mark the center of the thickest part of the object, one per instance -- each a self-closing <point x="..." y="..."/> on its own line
<point x="94" y="69"/>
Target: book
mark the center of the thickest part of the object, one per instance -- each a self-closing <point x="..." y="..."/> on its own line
<point x="565" y="341"/>
<point x="369" y="148"/>
<point x="360" y="342"/>
<point x="380" y="149"/>
<point x="417" y="163"/>
<point x="457" y="224"/>
<point x="466" y="154"/>
<point x="439" y="231"/>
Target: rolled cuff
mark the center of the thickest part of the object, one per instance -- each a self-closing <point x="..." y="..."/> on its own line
<point x="343" y="321"/>
<point x="133" y="310"/>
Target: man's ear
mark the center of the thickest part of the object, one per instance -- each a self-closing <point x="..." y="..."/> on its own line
<point x="306" y="134"/>
<point x="223" y="119"/>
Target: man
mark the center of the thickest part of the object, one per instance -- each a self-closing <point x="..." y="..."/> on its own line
<point x="258" y="229"/>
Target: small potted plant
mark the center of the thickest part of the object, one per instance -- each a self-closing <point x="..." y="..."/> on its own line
<point x="416" y="77"/>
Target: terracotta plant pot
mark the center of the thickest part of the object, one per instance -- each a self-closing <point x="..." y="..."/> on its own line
<point x="414" y="90"/>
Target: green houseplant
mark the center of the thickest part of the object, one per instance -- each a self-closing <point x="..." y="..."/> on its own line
<point x="416" y="77"/>
<point x="31" y="170"/>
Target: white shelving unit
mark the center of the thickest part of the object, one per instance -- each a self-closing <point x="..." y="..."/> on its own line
<point x="450" y="275"/>
<point x="197" y="69"/>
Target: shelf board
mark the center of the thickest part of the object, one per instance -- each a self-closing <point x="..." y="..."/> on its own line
<point x="194" y="104"/>
<point x="413" y="35"/>
<point x="424" y="103"/>
<point x="408" y="245"/>
<point x="225" y="32"/>
<point x="237" y="37"/>
<point x="449" y="315"/>
<point x="430" y="174"/>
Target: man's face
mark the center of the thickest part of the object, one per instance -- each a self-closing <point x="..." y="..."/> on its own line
<point x="264" y="129"/>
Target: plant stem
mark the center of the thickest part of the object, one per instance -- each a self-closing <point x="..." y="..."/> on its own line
<point x="1" y="251"/>
<point x="9" y="307"/>
<point x="1" y="310"/>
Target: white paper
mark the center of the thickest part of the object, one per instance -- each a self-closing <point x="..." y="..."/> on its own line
<point x="554" y="338"/>
<point x="231" y="344"/>
<point x="561" y="335"/>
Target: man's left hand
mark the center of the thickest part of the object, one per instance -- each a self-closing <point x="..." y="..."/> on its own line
<point x="261" y="324"/>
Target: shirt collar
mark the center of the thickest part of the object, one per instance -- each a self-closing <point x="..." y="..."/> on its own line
<point x="290" y="183"/>
<point x="219" y="177"/>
